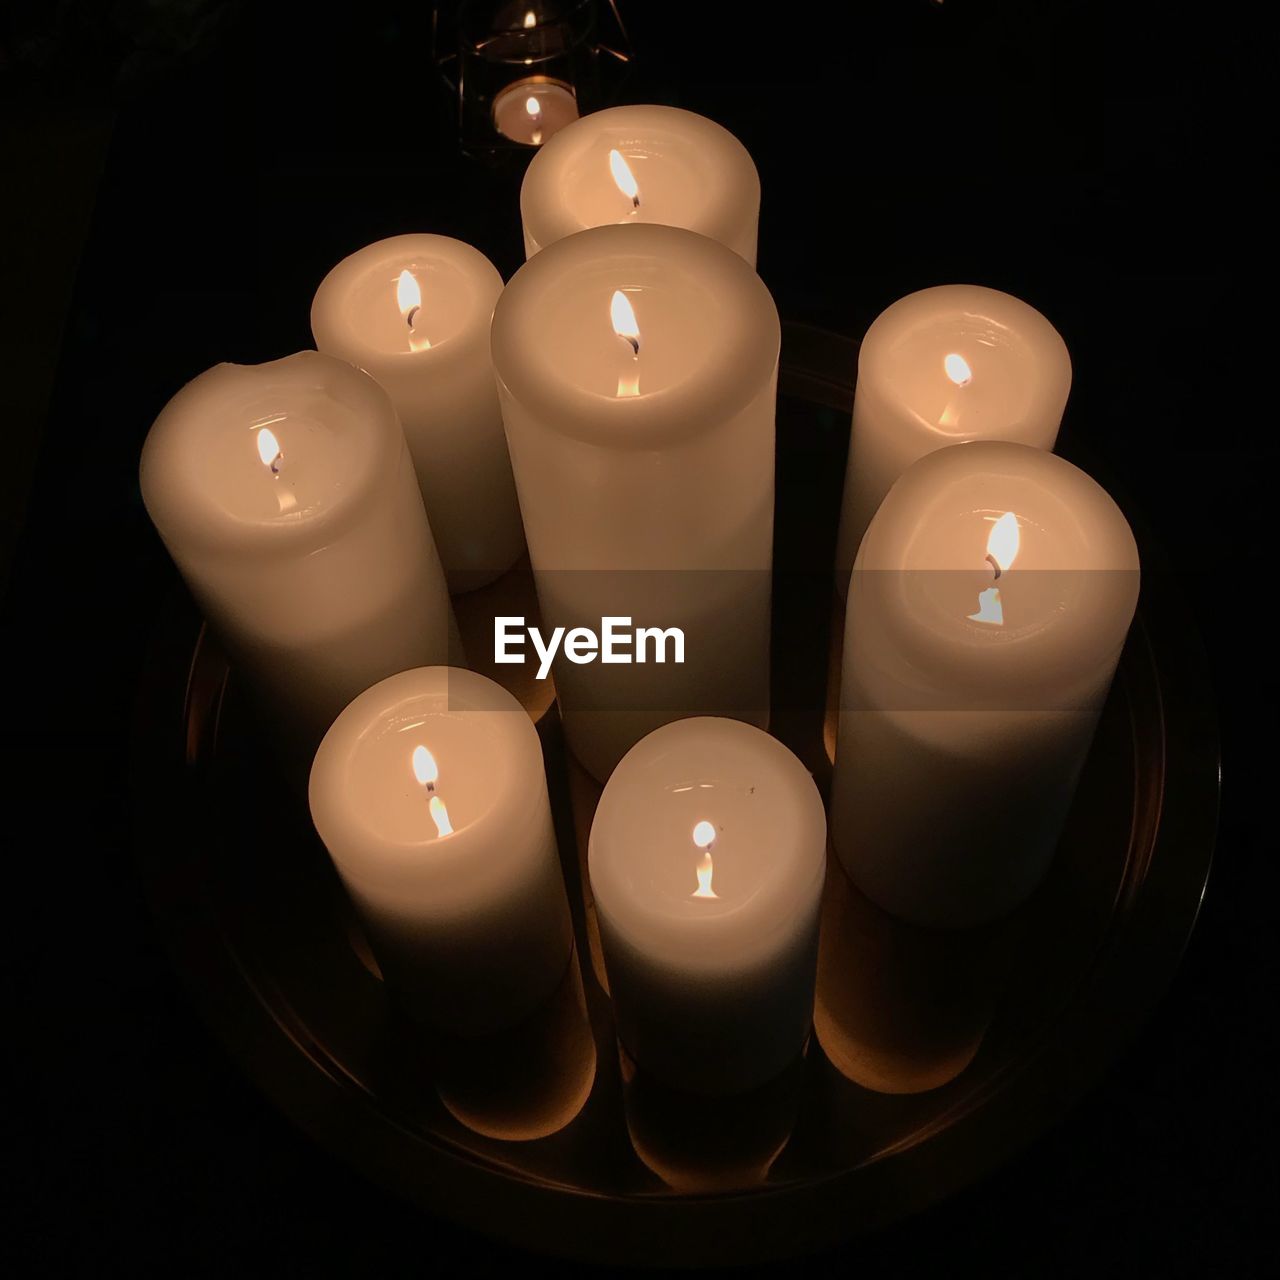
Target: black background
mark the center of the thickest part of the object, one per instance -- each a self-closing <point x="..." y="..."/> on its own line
<point x="178" y="178"/>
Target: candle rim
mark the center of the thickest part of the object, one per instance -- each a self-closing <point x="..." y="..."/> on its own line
<point x="724" y="386"/>
<point x="449" y="691"/>
<point x="172" y="483"/>
<point x="333" y="331"/>
<point x="1047" y="387"/>
<point x="546" y="215"/>
<point x="685" y="924"/>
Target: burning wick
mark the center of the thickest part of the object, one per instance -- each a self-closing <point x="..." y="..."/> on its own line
<point x="704" y="836"/>
<point x="623" y="178"/>
<point x="269" y="450"/>
<point x="623" y="316"/>
<point x="1002" y="549"/>
<point x="408" y="296"/>
<point x="427" y="772"/>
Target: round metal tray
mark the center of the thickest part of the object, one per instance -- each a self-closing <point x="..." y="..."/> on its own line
<point x="972" y="1043"/>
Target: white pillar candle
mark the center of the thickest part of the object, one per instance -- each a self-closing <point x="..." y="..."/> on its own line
<point x="986" y="614"/>
<point x="939" y="367"/>
<point x="534" y="109"/>
<point x="642" y="164"/>
<point x="414" y="311"/>
<point x="707" y="857"/>
<point x="429" y="793"/>
<point x="285" y="494"/>
<point x="637" y="369"/>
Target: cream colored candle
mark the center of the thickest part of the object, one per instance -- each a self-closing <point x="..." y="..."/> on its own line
<point x="707" y="857"/>
<point x="637" y="371"/>
<point x="430" y="795"/>
<point x="939" y="367"/>
<point x="641" y="164"/>
<point x="986" y="614"/>
<point x="286" y="496"/>
<point x="414" y="311"/>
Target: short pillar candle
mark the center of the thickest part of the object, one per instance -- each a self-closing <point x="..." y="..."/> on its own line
<point x="707" y="859"/>
<point x="987" y="610"/>
<point x="430" y="796"/>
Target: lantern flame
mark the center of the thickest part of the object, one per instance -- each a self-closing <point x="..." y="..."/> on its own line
<point x="957" y="368"/>
<point x="623" y="316"/>
<point x="1003" y="542"/>
<point x="530" y="20"/>
<point x="440" y="816"/>
<point x="623" y="178"/>
<point x="269" y="450"/>
<point x="425" y="768"/>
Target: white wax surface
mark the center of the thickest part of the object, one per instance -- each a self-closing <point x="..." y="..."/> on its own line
<point x="469" y="921"/>
<point x="321" y="575"/>
<point x="556" y="107"/>
<point x="653" y="471"/>
<point x="690" y="173"/>
<point x="960" y="738"/>
<point x="434" y="363"/>
<point x="712" y="993"/>
<point x="909" y="401"/>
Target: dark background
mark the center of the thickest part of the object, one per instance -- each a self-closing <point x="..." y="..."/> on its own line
<point x="177" y="179"/>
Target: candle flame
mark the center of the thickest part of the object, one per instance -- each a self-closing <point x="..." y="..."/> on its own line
<point x="989" y="608"/>
<point x="269" y="449"/>
<point x="425" y="768"/>
<point x="408" y="294"/>
<point x="533" y="107"/>
<point x="957" y="368"/>
<point x="1003" y="541"/>
<point x="704" y="836"/>
<point x="623" y="316"/>
<point x="530" y="20"/>
<point x="623" y="178"/>
<point x="440" y="816"/>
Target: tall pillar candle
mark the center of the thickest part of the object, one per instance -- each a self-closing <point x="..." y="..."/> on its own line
<point x="639" y="164"/>
<point x="429" y="793"/>
<point x="285" y="494"/>
<point x="940" y="367"/>
<point x="986" y="614"/>
<point x="637" y="371"/>
<point x="414" y="311"/>
<point x="707" y="858"/>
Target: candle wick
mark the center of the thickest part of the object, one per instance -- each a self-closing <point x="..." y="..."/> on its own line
<point x="413" y="311"/>
<point x="995" y="564"/>
<point x="635" y="344"/>
<point x="635" y="200"/>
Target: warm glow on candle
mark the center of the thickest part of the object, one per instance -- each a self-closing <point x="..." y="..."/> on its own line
<point x="425" y="768"/>
<point x="440" y="816"/>
<point x="269" y="450"/>
<point x="623" y="178"/>
<point x="957" y="368"/>
<point x="623" y="316"/>
<point x="1002" y="542"/>
<point x="704" y="835"/>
